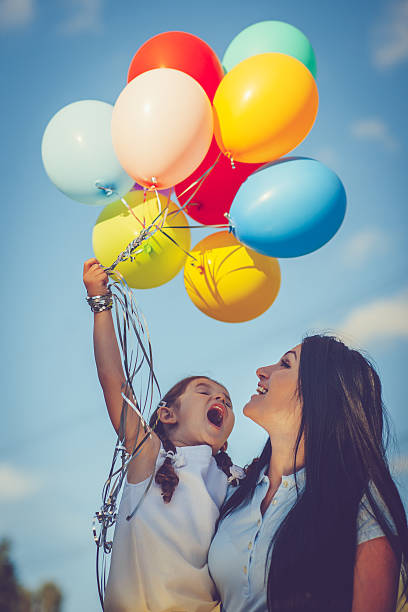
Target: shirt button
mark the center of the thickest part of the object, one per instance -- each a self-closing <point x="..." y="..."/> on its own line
<point x="245" y="570"/>
<point x="250" y="546"/>
<point x="259" y="522"/>
<point x="274" y="502"/>
<point x="285" y="483"/>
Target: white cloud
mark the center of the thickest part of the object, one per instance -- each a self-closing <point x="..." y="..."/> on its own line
<point x="390" y="37"/>
<point x="381" y="319"/>
<point x="328" y="156"/>
<point x="86" y="17"/>
<point x="373" y="129"/>
<point x="16" y="13"/>
<point x="15" y="484"/>
<point x="366" y="243"/>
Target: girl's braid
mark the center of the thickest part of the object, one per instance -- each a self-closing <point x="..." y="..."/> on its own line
<point x="166" y="476"/>
<point x="224" y="462"/>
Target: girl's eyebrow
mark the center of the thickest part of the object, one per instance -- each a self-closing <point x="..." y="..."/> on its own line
<point x="207" y="386"/>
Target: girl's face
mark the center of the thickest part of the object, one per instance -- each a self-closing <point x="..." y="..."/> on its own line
<point x="276" y="404"/>
<point x="203" y="415"/>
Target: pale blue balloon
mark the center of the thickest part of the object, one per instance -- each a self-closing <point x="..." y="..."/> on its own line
<point x="288" y="208"/>
<point x="78" y="154"/>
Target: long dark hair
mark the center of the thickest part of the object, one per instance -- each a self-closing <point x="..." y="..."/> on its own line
<point x="346" y="431"/>
<point x="166" y="476"/>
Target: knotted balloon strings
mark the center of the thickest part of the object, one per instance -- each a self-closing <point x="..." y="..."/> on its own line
<point x="138" y="360"/>
<point x="133" y="248"/>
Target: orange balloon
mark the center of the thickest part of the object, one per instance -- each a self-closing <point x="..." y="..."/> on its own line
<point x="230" y="282"/>
<point x="264" y="107"/>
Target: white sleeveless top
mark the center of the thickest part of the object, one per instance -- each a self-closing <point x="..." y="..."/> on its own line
<point x="159" y="557"/>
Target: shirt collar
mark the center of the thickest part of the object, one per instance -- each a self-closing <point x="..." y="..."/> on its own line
<point x="290" y="478"/>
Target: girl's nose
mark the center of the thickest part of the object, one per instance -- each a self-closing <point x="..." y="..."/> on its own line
<point x="219" y="397"/>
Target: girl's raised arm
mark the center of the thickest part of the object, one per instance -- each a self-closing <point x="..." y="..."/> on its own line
<point x="109" y="364"/>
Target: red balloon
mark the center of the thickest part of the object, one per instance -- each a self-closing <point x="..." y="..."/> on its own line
<point x="181" y="51"/>
<point x="220" y="186"/>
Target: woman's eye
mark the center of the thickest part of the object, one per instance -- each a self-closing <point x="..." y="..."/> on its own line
<point x="285" y="364"/>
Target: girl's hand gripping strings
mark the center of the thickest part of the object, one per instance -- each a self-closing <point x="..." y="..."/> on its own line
<point x="95" y="278"/>
<point x="110" y="370"/>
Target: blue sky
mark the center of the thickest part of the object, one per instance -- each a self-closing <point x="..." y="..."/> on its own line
<point x="56" y="441"/>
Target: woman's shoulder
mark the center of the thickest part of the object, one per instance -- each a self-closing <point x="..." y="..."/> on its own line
<point x="368" y="526"/>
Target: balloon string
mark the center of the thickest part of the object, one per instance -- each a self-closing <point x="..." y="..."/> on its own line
<point x="198" y="182"/>
<point x="109" y="191"/>
<point x="177" y="244"/>
<point x="203" y="176"/>
<point x="218" y="225"/>
<point x="132" y="212"/>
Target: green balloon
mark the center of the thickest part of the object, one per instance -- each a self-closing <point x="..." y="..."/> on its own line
<point x="270" y="37"/>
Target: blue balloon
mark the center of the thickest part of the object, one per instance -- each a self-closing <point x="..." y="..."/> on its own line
<point x="288" y="208"/>
<point x="78" y="154"/>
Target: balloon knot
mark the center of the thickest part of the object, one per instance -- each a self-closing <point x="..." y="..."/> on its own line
<point x="108" y="191"/>
<point x="153" y="185"/>
<point x="229" y="155"/>
<point x="231" y="228"/>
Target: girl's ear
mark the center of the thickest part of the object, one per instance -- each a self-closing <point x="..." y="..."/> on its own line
<point x="166" y="415"/>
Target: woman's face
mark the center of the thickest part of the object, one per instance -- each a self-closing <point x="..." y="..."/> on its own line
<point x="276" y="404"/>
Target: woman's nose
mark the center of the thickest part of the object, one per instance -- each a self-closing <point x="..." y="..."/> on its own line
<point x="262" y="373"/>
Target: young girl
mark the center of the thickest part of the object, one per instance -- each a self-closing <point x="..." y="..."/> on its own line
<point x="159" y="555"/>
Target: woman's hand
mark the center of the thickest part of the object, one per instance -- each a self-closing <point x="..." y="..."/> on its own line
<point x="95" y="278"/>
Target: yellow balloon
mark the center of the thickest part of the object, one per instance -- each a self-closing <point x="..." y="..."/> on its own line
<point x="230" y="282"/>
<point x="160" y="259"/>
<point x="264" y="107"/>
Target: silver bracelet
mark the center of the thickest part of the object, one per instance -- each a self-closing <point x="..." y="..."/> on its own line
<point x="98" y="303"/>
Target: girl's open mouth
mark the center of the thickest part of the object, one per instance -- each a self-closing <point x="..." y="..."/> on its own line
<point x="216" y="415"/>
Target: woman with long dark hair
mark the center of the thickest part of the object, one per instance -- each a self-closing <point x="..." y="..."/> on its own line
<point x="317" y="524"/>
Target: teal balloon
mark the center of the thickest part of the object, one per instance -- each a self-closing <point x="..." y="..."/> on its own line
<point x="288" y="208"/>
<point x="270" y="37"/>
<point x="78" y="155"/>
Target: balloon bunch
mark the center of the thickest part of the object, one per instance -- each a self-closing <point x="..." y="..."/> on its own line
<point x="216" y="133"/>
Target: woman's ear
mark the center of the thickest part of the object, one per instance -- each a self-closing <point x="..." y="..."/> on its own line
<point x="166" y="415"/>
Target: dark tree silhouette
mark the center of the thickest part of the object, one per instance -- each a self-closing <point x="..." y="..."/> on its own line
<point x="15" y="598"/>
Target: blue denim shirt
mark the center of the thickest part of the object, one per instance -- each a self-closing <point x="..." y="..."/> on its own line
<point x="238" y="554"/>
